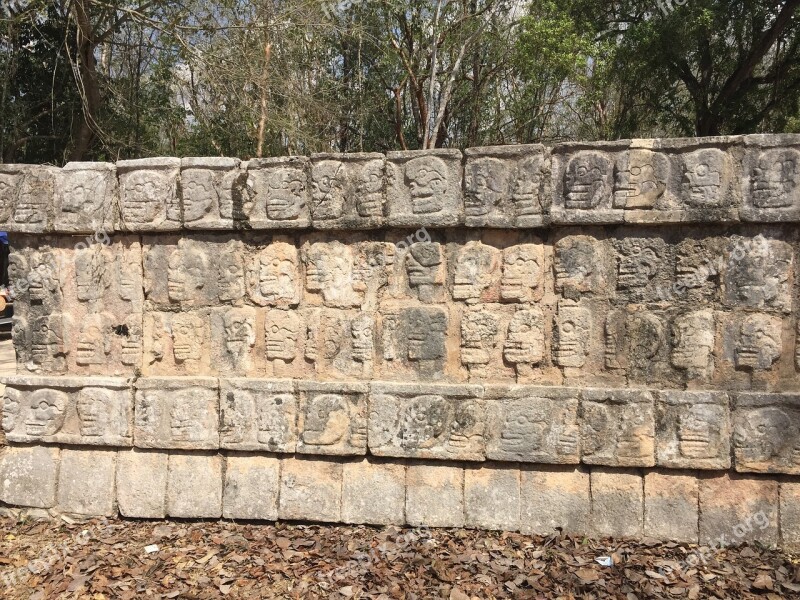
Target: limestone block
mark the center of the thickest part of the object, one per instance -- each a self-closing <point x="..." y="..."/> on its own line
<point x="482" y="330"/>
<point x="583" y="184"/>
<point x="532" y="424"/>
<point x="583" y="265"/>
<point x="229" y="271"/>
<point x="148" y="193"/>
<point x="435" y="495"/>
<point x="671" y="506"/>
<point x="766" y="433"/>
<point x="554" y="497"/>
<point x="424" y="270"/>
<point x="617" y="428"/>
<point x="752" y="344"/>
<point x="771" y="185"/>
<point x="414" y="342"/>
<point x="617" y="503"/>
<point x="348" y="191"/>
<point x="194" y="486"/>
<point x="492" y="497"/>
<point x="142" y="483"/>
<point x="95" y="411"/>
<point x="643" y="268"/>
<point x="177" y="343"/>
<point x="191" y="266"/>
<point x="790" y="513"/>
<point x="234" y="334"/>
<point x="758" y="274"/>
<point x="86" y="482"/>
<point x="177" y="413"/>
<point x="506" y="186"/>
<point x="330" y="274"/>
<point x="332" y="418"/>
<point x="212" y="192"/>
<point x="644" y="185"/>
<point x="338" y="343"/>
<point x="523" y="278"/>
<point x="251" y="487"/>
<point x="86" y="197"/>
<point x="310" y="490"/>
<point x="424" y="188"/>
<point x="475" y="272"/>
<point x="273" y="276"/>
<point x="525" y="344"/>
<point x="637" y="345"/>
<point x="374" y="492"/>
<point x="28" y="475"/>
<point x="708" y="192"/>
<point x="698" y="264"/>
<point x="258" y="414"/>
<point x="693" y="345"/>
<point x="735" y="509"/>
<point x="577" y="338"/>
<point x="26" y="197"/>
<point x="427" y="421"/>
<point x="278" y="193"/>
<point x="693" y="430"/>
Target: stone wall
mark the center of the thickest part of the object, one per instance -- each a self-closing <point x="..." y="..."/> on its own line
<point x="599" y="337"/>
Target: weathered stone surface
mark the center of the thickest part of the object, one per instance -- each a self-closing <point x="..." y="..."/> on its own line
<point x="348" y="191"/>
<point x="554" y="497"/>
<point x="251" y="487"/>
<point x="771" y="185"/>
<point x="424" y="188"/>
<point x="617" y="503"/>
<point x="435" y="421"/>
<point x="194" y="486"/>
<point x="766" y="433"/>
<point x="311" y="490"/>
<point x="86" y="198"/>
<point x="179" y="413"/>
<point x="671" y="506"/>
<point x="505" y="186"/>
<point x="212" y="192"/>
<point x="583" y="185"/>
<point x="758" y="273"/>
<point x="790" y="513"/>
<point x="492" y="497"/>
<point x="735" y="509"/>
<point x="617" y="428"/>
<point x="86" y="482"/>
<point x="258" y="414"/>
<point x="374" y="492"/>
<point x="148" y="194"/>
<point x="26" y="197"/>
<point x="278" y="193"/>
<point x="142" y="483"/>
<point x="693" y="430"/>
<point x="94" y="411"/>
<point x="332" y="418"/>
<point x="434" y="495"/>
<point x="532" y="424"/>
<point x="28" y="475"/>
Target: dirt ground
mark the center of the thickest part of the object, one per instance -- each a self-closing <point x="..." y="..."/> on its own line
<point x="103" y="558"/>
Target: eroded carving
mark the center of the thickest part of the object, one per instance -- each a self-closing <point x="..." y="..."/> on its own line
<point x="759" y="342"/>
<point x="273" y="276"/>
<point x="370" y="190"/>
<point x="329" y="271"/>
<point x="588" y="181"/>
<point x="523" y="273"/>
<point x="705" y="178"/>
<point x="618" y="428"/>
<point x="524" y="345"/>
<point x="327" y="189"/>
<point x="188" y="337"/>
<point x="424" y="269"/>
<point x="476" y="271"/>
<point x="479" y="332"/>
<point x="693" y="337"/>
<point x="571" y="336"/>
<point x="427" y="180"/>
<point x="578" y="265"/>
<point x="487" y="185"/>
<point x="640" y="179"/>
<point x="775" y="179"/>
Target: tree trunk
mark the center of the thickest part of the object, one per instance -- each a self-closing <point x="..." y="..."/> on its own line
<point x="86" y="80"/>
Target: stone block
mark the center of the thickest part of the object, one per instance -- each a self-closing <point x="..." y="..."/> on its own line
<point x="26" y="197"/>
<point x="583" y="265"/>
<point x="86" y="198"/>
<point x="211" y="192"/>
<point x="86" y="482"/>
<point x="617" y="503"/>
<point x="414" y="342"/>
<point x="757" y="274"/>
<point x="28" y="475"/>
<point x="766" y="433"/>
<point x="532" y="424"/>
<point x="278" y="193"/>
<point x="258" y="414"/>
<point x="332" y="418"/>
<point x="142" y="483"/>
<point x="148" y="194"/>
<point x="251" y="487"/>
<point x="427" y="421"/>
<point x="554" y="497"/>
<point x="311" y="490"/>
<point x="424" y="188"/>
<point x="671" y="506"/>
<point x="95" y="411"/>
<point x="617" y="428"/>
<point x="790" y="513"/>
<point x="693" y="430"/>
<point x="194" y="486"/>
<point x="374" y="492"/>
<point x="771" y="184"/>
<point x="348" y="191"/>
<point x="492" y="497"/>
<point x="435" y="495"/>
<point x="735" y="509"/>
<point x="177" y="413"/>
<point x="506" y="186"/>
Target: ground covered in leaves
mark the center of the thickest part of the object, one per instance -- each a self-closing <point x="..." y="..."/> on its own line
<point x="124" y="559"/>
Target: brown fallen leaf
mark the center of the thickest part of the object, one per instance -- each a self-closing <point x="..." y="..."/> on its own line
<point x="762" y="582"/>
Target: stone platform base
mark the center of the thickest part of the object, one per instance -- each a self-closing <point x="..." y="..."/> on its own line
<point x="711" y="508"/>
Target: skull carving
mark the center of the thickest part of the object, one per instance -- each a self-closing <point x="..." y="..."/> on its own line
<point x="47" y="413"/>
<point x="427" y="180"/>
